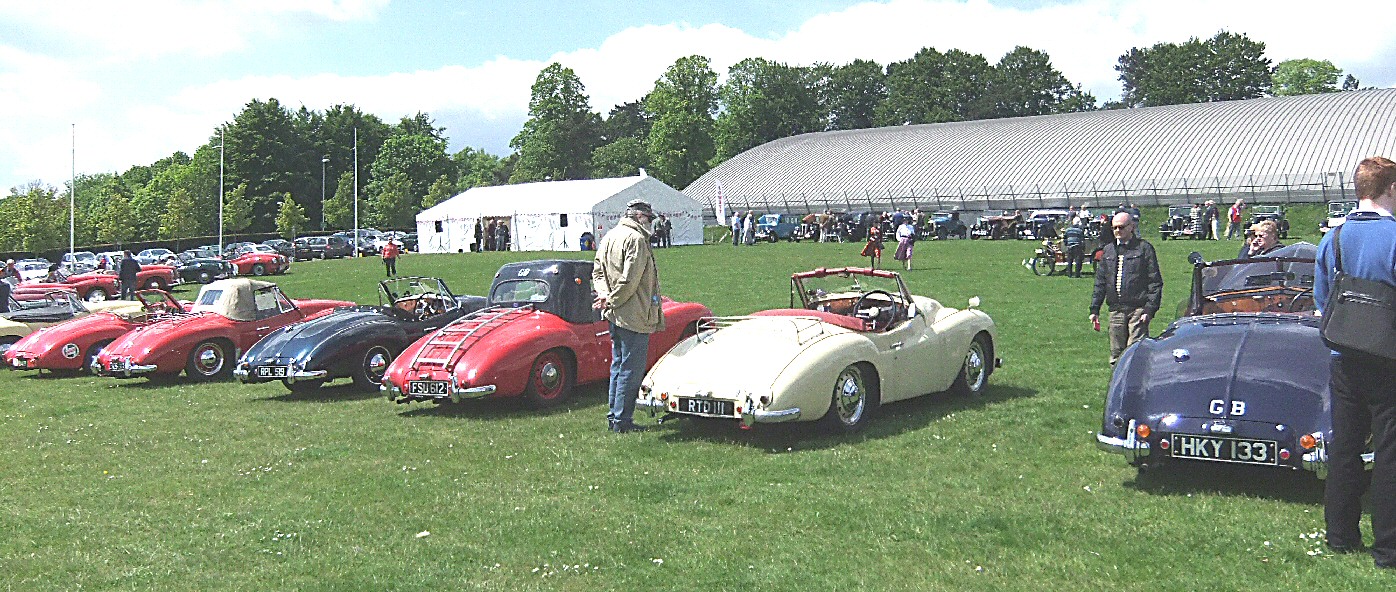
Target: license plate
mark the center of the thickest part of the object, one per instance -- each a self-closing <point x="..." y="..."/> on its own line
<point x="271" y="372"/>
<point x="427" y="387"/>
<point x="118" y="365"/>
<point x="1234" y="450"/>
<point x="706" y="407"/>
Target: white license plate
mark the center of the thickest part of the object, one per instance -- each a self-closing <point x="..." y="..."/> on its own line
<point x="271" y="372"/>
<point x="714" y="407"/>
<point x="1233" y="450"/>
<point x="427" y="387"/>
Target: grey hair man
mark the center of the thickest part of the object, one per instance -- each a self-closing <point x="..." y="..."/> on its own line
<point x="626" y="281"/>
<point x="1128" y="279"/>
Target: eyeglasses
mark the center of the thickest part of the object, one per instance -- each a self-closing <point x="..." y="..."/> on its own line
<point x="1119" y="227"/>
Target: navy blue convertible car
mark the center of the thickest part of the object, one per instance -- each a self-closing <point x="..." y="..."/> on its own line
<point x="1241" y="377"/>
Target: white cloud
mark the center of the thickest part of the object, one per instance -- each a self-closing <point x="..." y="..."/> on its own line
<point x="485" y="104"/>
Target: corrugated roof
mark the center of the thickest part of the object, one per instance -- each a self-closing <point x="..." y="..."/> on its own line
<point x="1164" y="150"/>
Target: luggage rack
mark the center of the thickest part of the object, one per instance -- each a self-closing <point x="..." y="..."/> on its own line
<point x="458" y="332"/>
<point x="805" y="328"/>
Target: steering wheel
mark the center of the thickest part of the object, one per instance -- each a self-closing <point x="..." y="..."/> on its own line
<point x="872" y="320"/>
<point x="428" y="305"/>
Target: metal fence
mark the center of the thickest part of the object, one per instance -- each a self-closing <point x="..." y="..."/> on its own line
<point x="1267" y="189"/>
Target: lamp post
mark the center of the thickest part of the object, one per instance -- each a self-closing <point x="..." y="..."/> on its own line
<point x="220" y="191"/>
<point x="323" y="160"/>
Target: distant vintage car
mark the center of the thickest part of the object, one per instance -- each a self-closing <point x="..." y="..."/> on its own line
<point x="102" y="284"/>
<point x="1337" y="214"/>
<point x="852" y="340"/>
<point x="79" y="261"/>
<point x="159" y="256"/>
<point x="944" y="225"/>
<point x="322" y="247"/>
<point x="1273" y="213"/>
<point x="227" y="318"/>
<point x="203" y="269"/>
<point x="355" y="342"/>
<point x="537" y="338"/>
<point x="776" y="227"/>
<point x="281" y="246"/>
<point x="1042" y="224"/>
<point x="1179" y="224"/>
<point x="1241" y="377"/>
<point x="1004" y="224"/>
<point x="52" y="308"/>
<point x="258" y="260"/>
<point x="74" y="344"/>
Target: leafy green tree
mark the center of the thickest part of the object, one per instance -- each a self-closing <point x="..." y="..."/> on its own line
<point x="763" y="101"/>
<point x="393" y="205"/>
<point x="477" y="168"/>
<point x="115" y="221"/>
<point x="180" y="220"/>
<point x="683" y="102"/>
<point x="621" y="158"/>
<point x="335" y="139"/>
<point x="853" y="92"/>
<point x="626" y="120"/>
<point x="934" y="87"/>
<point x="442" y="190"/>
<point x="420" y="124"/>
<point x="1351" y="83"/>
<point x="290" y="218"/>
<point x="237" y="210"/>
<point x="1226" y="67"/>
<point x="339" y="210"/>
<point x="1024" y="83"/>
<point x="1305" y="77"/>
<point x="267" y="149"/>
<point x="557" y="140"/>
<point x="36" y="220"/>
<point x="419" y="159"/>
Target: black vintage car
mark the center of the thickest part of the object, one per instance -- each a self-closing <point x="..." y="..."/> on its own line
<point x="1275" y="213"/>
<point x="1179" y="224"/>
<point x="191" y="268"/>
<point x="1241" y="377"/>
<point x="357" y="342"/>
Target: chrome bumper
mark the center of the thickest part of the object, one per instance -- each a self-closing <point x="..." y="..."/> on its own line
<point x="1132" y="449"/>
<point x="456" y="395"/>
<point x="128" y="369"/>
<point x="1316" y="460"/>
<point x="244" y="375"/>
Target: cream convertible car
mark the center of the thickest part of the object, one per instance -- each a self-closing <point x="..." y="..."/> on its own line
<point x="858" y="339"/>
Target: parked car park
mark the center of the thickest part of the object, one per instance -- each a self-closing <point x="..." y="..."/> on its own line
<point x="282" y="246"/>
<point x="32" y="270"/>
<point x="79" y="261"/>
<point x="72" y="345"/>
<point x="1337" y="213"/>
<point x="193" y="268"/>
<point x="943" y="225"/>
<point x="1273" y="213"/>
<point x="367" y="236"/>
<point x="159" y="256"/>
<point x="255" y="259"/>
<point x="322" y="247"/>
<point x="53" y="306"/>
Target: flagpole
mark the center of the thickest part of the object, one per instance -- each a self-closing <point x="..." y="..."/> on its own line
<point x="72" y="201"/>
<point x="221" y="143"/>
<point x="356" y="191"/>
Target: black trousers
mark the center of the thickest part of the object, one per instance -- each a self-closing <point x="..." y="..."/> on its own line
<point x="390" y="266"/>
<point x="1364" y="403"/>
<point x="1075" y="258"/>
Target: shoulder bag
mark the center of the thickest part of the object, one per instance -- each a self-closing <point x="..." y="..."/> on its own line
<point x="1360" y="314"/>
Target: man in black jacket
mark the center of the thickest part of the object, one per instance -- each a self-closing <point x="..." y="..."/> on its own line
<point x="127" y="275"/>
<point x="1074" y="239"/>
<point x="1128" y="279"/>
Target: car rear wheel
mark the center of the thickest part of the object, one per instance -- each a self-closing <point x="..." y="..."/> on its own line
<point x="550" y="379"/>
<point x="154" y="284"/>
<point x="205" y="277"/>
<point x="978" y="365"/>
<point x="210" y="360"/>
<point x="854" y="397"/>
<point x="1043" y="265"/>
<point x="259" y="269"/>
<point x="91" y="356"/>
<point x="96" y="295"/>
<point x="303" y="386"/>
<point x="369" y="373"/>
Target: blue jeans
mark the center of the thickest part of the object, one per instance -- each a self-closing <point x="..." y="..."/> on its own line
<point x="628" y="352"/>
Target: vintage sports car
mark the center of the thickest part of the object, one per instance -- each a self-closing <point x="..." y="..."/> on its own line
<point x="258" y="260"/>
<point x="356" y="342"/>
<point x="102" y="284"/>
<point x="1337" y="214"/>
<point x="203" y="269"/>
<point x="74" y="344"/>
<point x="853" y="339"/>
<point x="1275" y="214"/>
<point x="1179" y="224"/>
<point x="538" y="338"/>
<point x="1004" y="224"/>
<point x="227" y="317"/>
<point x="1240" y="377"/>
<point x="55" y="306"/>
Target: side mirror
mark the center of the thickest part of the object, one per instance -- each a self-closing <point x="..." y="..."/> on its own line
<point x="1195" y="258"/>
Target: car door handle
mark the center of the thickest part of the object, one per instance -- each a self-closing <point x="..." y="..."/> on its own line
<point x="603" y="333"/>
<point x="897" y="345"/>
<point x="263" y="328"/>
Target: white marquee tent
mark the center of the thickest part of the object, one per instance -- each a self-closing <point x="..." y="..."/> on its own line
<point x="553" y="215"/>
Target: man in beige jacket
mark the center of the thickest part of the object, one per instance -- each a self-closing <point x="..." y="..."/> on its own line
<point x="627" y="292"/>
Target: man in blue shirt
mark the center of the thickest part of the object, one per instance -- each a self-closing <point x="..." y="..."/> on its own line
<point x="1364" y="398"/>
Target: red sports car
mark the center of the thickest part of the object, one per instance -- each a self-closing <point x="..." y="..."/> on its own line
<point x="537" y="338"/>
<point x="102" y="284"/>
<point x="259" y="260"/>
<point x="74" y="345"/>
<point x="226" y="319"/>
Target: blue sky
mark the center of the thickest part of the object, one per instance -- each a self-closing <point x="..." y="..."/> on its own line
<point x="141" y="80"/>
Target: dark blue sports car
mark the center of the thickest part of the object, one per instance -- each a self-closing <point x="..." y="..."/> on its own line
<point x="356" y="342"/>
<point x="1241" y="377"/>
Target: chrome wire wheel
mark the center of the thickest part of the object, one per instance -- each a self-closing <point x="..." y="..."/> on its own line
<point x="976" y="366"/>
<point x="850" y="397"/>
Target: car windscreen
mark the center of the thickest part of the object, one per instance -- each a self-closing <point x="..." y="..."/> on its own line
<point x="408" y="287"/>
<point x="816" y="289"/>
<point x="524" y="290"/>
<point x="1257" y="273"/>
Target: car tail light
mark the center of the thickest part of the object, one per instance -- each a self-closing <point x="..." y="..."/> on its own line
<point x="1284" y="454"/>
<point x="1307" y="441"/>
<point x="1143" y="431"/>
<point x="1163" y="444"/>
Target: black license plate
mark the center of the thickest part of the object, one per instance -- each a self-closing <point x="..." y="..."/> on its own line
<point x="1233" y="450"/>
<point x="427" y="387"/>
<point x="118" y="365"/>
<point x="706" y="407"/>
<point x="271" y="372"/>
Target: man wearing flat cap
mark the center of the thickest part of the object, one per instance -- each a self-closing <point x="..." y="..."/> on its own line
<point x="627" y="293"/>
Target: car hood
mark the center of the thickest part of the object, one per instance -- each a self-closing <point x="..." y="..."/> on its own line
<point x="300" y="338"/>
<point x="744" y="353"/>
<point x="155" y="334"/>
<point x="1276" y="364"/>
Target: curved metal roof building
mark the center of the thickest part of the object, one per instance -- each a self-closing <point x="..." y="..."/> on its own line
<point x="1269" y="149"/>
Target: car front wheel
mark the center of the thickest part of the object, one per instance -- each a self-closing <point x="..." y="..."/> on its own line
<point x="96" y="295"/>
<point x="974" y="373"/>
<point x="210" y="360"/>
<point x="259" y="269"/>
<point x="205" y="277"/>
<point x="549" y="381"/>
<point x="852" y="401"/>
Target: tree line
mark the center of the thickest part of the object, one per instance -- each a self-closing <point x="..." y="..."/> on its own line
<point x="686" y="124"/>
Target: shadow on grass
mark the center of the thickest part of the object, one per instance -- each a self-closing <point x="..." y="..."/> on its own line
<point x="1185" y="478"/>
<point x="889" y="420"/>
<point x="508" y="407"/>
<point x="333" y="393"/>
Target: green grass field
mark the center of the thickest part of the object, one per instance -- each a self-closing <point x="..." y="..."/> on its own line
<point x="132" y="486"/>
